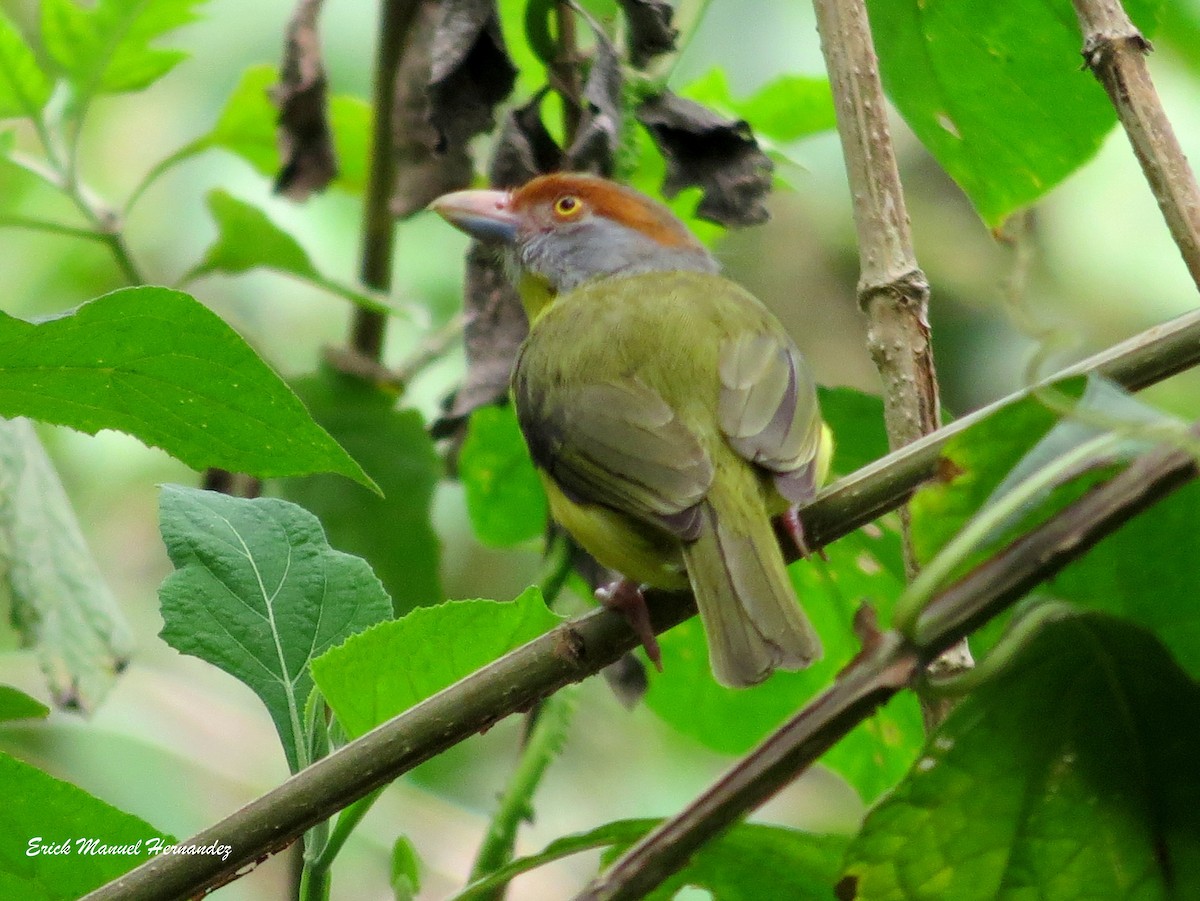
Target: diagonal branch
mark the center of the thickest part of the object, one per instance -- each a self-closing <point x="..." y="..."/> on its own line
<point x="1116" y="51"/>
<point x="569" y="653"/>
<point x="888" y="666"/>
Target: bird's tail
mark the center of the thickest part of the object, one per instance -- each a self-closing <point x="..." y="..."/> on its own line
<point x="751" y="618"/>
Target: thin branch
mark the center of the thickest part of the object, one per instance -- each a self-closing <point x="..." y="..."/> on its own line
<point x="44" y="225"/>
<point x="887" y="666"/>
<point x="892" y="289"/>
<point x="1116" y="51"/>
<point x="396" y="21"/>
<point x="567" y="654"/>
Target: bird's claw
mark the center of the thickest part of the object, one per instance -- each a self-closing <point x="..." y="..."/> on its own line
<point x="794" y="527"/>
<point x="625" y="597"/>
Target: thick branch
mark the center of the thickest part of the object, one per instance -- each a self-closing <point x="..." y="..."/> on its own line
<point x="569" y="653"/>
<point x="873" y="678"/>
<point x="1115" y="51"/>
<point x="892" y="289"/>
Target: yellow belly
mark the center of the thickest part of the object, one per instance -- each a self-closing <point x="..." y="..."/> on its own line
<point x="637" y="551"/>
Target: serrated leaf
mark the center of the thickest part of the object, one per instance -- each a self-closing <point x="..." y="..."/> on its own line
<point x="259" y="592"/>
<point x="786" y="109"/>
<point x="389" y="668"/>
<point x="45" y="812"/>
<point x="247" y="239"/>
<point x="159" y="365"/>
<point x="59" y="602"/>
<point x="16" y="705"/>
<point x="391" y="532"/>
<point x="1069" y="775"/>
<point x="749" y="862"/>
<point x="105" y="49"/>
<point x="24" y="87"/>
<point x="505" y="499"/>
<point x="996" y="92"/>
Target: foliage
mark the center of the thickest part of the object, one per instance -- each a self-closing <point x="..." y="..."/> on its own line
<point x="1063" y="769"/>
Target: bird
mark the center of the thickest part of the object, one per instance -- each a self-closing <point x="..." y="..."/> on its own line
<point x="668" y="413"/>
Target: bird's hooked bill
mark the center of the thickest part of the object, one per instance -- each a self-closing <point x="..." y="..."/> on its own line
<point x="484" y="215"/>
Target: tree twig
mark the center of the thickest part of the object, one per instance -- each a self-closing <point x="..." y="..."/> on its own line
<point x="887" y="667"/>
<point x="368" y="329"/>
<point x="1115" y="51"/>
<point x="567" y="654"/>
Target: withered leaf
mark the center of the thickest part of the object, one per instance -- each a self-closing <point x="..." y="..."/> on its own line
<point x="422" y="172"/>
<point x="471" y="71"/>
<point x="495" y="327"/>
<point x="599" y="130"/>
<point x="524" y="148"/>
<point x="650" y="30"/>
<point x="717" y="154"/>
<point x="305" y="141"/>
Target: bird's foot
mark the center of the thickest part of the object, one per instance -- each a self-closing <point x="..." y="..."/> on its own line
<point x="626" y="598"/>
<point x="794" y="527"/>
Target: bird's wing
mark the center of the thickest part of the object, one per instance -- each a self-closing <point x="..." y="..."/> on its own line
<point x="619" y="444"/>
<point x="767" y="409"/>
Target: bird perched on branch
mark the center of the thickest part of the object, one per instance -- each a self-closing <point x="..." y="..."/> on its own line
<point x="668" y="412"/>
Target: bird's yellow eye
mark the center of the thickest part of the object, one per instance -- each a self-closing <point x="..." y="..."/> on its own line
<point x="567" y="206"/>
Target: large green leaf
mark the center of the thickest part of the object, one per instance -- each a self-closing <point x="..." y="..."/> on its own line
<point x="258" y="592"/>
<point x="749" y="862"/>
<point x="392" y="532"/>
<point x="105" y="48"/>
<point x="389" y="668"/>
<point x="1070" y="775"/>
<point x="505" y="499"/>
<point x="996" y="91"/>
<point x="49" y="581"/>
<point x="58" y="843"/>
<point x="24" y="87"/>
<point x="161" y="366"/>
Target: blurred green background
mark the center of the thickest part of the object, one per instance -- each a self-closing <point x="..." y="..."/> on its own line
<point x="182" y="744"/>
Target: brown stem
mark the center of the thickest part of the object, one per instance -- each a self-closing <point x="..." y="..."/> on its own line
<point x="887" y="667"/>
<point x="369" y="327"/>
<point x="570" y="653"/>
<point x="1116" y="51"/>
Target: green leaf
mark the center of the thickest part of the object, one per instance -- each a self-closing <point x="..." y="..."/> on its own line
<point x="391" y="532"/>
<point x="162" y="367"/>
<point x="395" y="665"/>
<point x="996" y="92"/>
<point x="59" y="820"/>
<point x="787" y="109"/>
<point x="49" y="581"/>
<point x="105" y="48"/>
<point x="1070" y="775"/>
<point x="16" y="705"/>
<point x="406" y="870"/>
<point x="258" y="592"/>
<point x="865" y="566"/>
<point x="856" y="420"/>
<point x="24" y="87"/>
<point x="1147" y="572"/>
<point x="749" y="862"/>
<point x="247" y="239"/>
<point x="246" y="127"/>
<point x="505" y="499"/>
